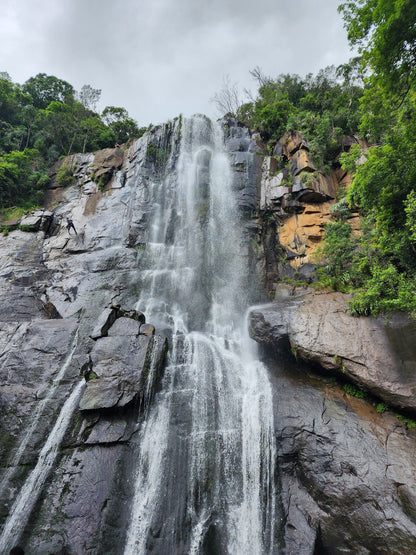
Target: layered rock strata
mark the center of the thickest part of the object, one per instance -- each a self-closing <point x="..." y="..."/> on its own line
<point x="378" y="355"/>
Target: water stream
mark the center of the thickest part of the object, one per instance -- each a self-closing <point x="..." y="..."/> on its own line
<point x="33" y="486"/>
<point x="38" y="414"/>
<point x="205" y="476"/>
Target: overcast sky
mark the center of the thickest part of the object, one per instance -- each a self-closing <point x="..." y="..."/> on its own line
<point x="160" y="58"/>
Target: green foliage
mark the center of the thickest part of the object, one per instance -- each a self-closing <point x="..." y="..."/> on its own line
<point x="410" y="423"/>
<point x="65" y="176"/>
<point x="380" y="264"/>
<point x="41" y="121"/>
<point x="349" y="159"/>
<point x="157" y="155"/>
<point x="385" y="33"/>
<point x="354" y="391"/>
<point x="381" y="407"/>
<point x="22" y="178"/>
<point x="322" y="108"/>
<point x="410" y="210"/>
<point x="339" y="251"/>
<point x="45" y="89"/>
<point x="386" y="290"/>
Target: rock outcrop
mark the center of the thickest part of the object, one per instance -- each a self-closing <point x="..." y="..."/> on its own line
<point x="299" y="196"/>
<point x="346" y="473"/>
<point x="120" y="367"/>
<point x="378" y="355"/>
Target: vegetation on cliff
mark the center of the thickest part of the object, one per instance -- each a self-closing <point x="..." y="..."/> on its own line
<point x="384" y="186"/>
<point x="43" y="119"/>
<point x="374" y="98"/>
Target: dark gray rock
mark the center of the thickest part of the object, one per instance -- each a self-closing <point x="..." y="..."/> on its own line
<point x="104" y="322"/>
<point x="378" y="355"/>
<point x="120" y="363"/>
<point x="342" y="469"/>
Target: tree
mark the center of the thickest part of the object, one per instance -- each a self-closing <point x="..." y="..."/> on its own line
<point x="89" y="97"/>
<point x="227" y="100"/>
<point x="45" y="89"/>
<point x="385" y="33"/>
<point x="114" y="113"/>
<point x="121" y="126"/>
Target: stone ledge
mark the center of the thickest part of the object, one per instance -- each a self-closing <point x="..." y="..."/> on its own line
<point x="378" y="355"/>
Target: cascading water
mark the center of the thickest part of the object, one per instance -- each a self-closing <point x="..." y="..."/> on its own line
<point x="205" y="475"/>
<point x="36" y="417"/>
<point x="32" y="488"/>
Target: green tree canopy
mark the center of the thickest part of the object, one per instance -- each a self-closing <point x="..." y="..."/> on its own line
<point x="45" y="89"/>
<point x="385" y="33"/>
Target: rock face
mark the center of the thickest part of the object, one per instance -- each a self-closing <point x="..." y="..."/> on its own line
<point x="298" y="196"/>
<point x="62" y="331"/>
<point x="378" y="355"/>
<point x="75" y="350"/>
<point x="347" y="473"/>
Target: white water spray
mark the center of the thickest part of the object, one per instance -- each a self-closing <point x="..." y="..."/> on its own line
<point x="212" y="424"/>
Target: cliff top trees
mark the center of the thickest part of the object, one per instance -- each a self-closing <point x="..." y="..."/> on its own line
<point x="384" y="186"/>
<point x="45" y="89"/>
<point x="385" y="32"/>
<point x="43" y="119"/>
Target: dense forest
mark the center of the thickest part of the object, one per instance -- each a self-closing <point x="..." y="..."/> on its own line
<point x="44" y="119"/>
<point x="372" y="98"/>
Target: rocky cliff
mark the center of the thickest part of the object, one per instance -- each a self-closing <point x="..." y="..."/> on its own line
<point x="80" y="366"/>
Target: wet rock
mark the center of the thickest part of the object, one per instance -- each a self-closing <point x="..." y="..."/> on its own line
<point x="124" y="326"/>
<point x="119" y="361"/>
<point x="341" y="468"/>
<point x="104" y="322"/>
<point x="131" y="313"/>
<point x="246" y="163"/>
<point x="378" y="355"/>
<point x="123" y="365"/>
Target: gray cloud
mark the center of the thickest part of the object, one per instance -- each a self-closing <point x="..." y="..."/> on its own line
<point x="160" y="58"/>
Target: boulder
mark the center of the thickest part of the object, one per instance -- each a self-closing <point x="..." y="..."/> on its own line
<point x="36" y="220"/>
<point x="302" y="161"/>
<point x="119" y="363"/>
<point x="377" y="355"/>
<point x="290" y="143"/>
<point x="124" y="326"/>
<point x="104" y="322"/>
<point x="123" y="365"/>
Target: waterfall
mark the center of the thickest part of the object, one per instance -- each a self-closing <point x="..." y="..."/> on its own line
<point x="204" y="480"/>
<point x="31" y="489"/>
<point x="36" y="417"/>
